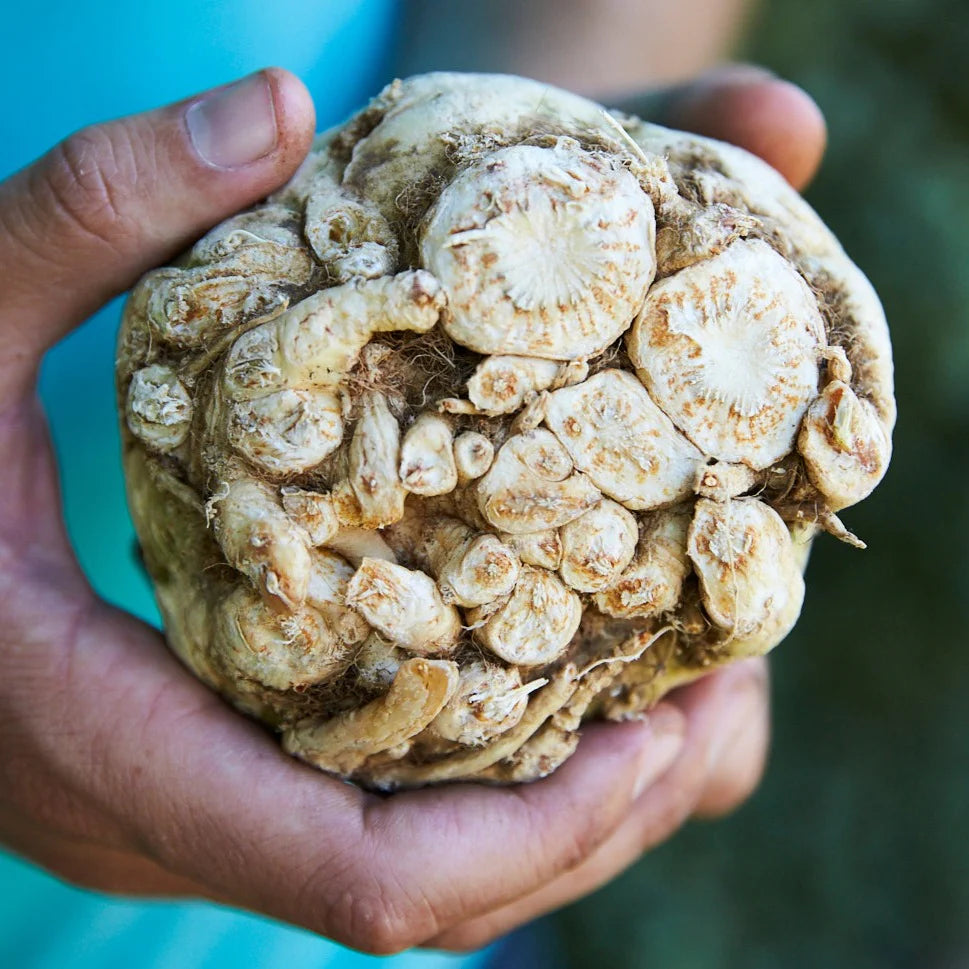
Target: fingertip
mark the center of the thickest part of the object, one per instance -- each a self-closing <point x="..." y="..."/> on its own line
<point x="295" y="116"/>
<point x="728" y="713"/>
<point x="785" y="127"/>
<point x="770" y="117"/>
<point x="246" y="136"/>
<point x="739" y="767"/>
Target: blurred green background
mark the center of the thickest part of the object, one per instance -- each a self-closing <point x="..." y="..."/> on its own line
<point x="855" y="850"/>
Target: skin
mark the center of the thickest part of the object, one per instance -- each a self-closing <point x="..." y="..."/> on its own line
<point x="120" y="772"/>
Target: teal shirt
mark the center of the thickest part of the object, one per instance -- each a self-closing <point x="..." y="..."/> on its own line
<point x="72" y="64"/>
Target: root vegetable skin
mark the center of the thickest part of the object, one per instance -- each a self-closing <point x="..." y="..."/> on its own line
<point x="505" y="412"/>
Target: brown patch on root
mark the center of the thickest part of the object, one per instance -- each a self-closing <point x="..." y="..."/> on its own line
<point x="840" y="325"/>
<point x="692" y="647"/>
<point x="412" y="205"/>
<point x="599" y="637"/>
<point x="768" y="231"/>
<point x="692" y="170"/>
<point x="363" y="123"/>
<point x="413" y="371"/>
<point x="614" y="357"/>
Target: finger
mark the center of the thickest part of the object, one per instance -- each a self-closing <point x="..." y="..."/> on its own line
<point x="749" y="107"/>
<point x="81" y="224"/>
<point x="483" y="847"/>
<point x="717" y="706"/>
<point x="615" y="853"/>
<point x="738" y="761"/>
<point x="210" y="797"/>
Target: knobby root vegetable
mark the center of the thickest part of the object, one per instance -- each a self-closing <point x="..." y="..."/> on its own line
<point x="505" y="413"/>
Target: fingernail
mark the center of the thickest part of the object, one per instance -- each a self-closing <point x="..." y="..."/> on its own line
<point x="235" y="126"/>
<point x="667" y="733"/>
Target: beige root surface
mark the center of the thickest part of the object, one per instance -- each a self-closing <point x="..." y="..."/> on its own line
<point x="505" y="413"/>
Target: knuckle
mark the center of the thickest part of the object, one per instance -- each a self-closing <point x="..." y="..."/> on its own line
<point x="88" y="182"/>
<point x="366" y="910"/>
<point x="368" y="917"/>
<point x="576" y="844"/>
<point x="559" y="836"/>
<point x="49" y="807"/>
<point x="568" y="843"/>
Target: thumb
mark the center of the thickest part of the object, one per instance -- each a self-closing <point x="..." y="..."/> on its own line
<point x="81" y="224"/>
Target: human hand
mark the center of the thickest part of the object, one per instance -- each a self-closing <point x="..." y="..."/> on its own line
<point x="119" y="771"/>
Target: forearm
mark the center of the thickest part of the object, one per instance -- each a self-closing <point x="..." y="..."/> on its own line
<point x="592" y="46"/>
